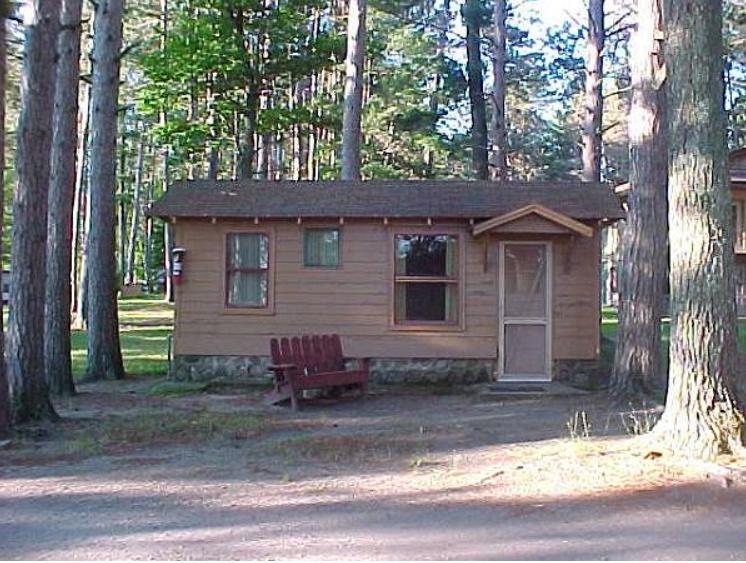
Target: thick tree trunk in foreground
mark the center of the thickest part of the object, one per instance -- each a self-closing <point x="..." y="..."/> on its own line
<point x="353" y="92"/>
<point x="104" y="352"/>
<point x="471" y="15"/>
<point x="593" y="110"/>
<point x="702" y="417"/>
<point x="57" y="358"/>
<point x="644" y="256"/>
<point x="497" y="124"/>
<point x="5" y="417"/>
<point x="29" y="390"/>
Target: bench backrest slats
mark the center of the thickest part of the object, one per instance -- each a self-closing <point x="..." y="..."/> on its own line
<point x="310" y="353"/>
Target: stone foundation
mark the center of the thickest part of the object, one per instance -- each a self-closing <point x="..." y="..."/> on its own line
<point x="587" y="374"/>
<point x="584" y="374"/>
<point x="432" y="371"/>
<point x="400" y="370"/>
<point x="205" y="368"/>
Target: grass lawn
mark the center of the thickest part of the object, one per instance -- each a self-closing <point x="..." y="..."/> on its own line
<point x="145" y="325"/>
<point x="610" y="322"/>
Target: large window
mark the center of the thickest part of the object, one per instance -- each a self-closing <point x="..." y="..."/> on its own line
<point x="426" y="284"/>
<point x="247" y="270"/>
<point x="321" y="248"/>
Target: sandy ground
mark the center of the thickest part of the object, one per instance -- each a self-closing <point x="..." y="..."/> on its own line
<point x="404" y="475"/>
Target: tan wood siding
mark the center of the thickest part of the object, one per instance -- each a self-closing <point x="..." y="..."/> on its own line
<point x="355" y="300"/>
<point x="576" y="298"/>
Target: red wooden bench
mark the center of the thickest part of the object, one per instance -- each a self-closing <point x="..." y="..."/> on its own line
<point x="311" y="362"/>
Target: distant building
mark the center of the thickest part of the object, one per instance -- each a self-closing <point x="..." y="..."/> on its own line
<point x="611" y="254"/>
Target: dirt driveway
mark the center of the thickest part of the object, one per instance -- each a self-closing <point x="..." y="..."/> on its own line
<point x="408" y="474"/>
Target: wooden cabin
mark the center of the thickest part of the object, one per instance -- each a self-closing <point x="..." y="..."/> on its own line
<point x="433" y="281"/>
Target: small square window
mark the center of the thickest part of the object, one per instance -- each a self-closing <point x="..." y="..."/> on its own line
<point x="321" y="248"/>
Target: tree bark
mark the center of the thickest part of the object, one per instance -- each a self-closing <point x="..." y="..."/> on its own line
<point x="136" y="205"/>
<point x="166" y="170"/>
<point x="497" y="123"/>
<point x="5" y="412"/>
<point x="148" y="253"/>
<point x="61" y="195"/>
<point x="702" y="416"/>
<point x="29" y="389"/>
<point x="121" y="206"/>
<point x="247" y="146"/>
<point x="593" y="110"/>
<point x="471" y="15"/>
<point x="79" y="206"/>
<point x="353" y="91"/>
<point x="645" y="235"/>
<point x="104" y="352"/>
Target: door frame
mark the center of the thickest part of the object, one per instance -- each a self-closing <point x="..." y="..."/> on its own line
<point x="547" y="321"/>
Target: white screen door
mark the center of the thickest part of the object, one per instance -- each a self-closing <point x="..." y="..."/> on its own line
<point x="525" y="311"/>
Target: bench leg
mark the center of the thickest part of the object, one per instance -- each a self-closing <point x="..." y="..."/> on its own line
<point x="363" y="390"/>
<point x="294" y="402"/>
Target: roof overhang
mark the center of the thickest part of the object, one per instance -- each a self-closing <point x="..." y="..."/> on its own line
<point x="566" y="224"/>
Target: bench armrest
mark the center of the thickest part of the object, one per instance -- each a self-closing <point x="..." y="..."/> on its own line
<point x="280" y="367"/>
<point x="364" y="363"/>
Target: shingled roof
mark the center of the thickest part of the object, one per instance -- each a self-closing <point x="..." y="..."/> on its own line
<point x="382" y="198"/>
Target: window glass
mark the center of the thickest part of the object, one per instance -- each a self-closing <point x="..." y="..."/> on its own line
<point x="426" y="281"/>
<point x="321" y="248"/>
<point x="247" y="270"/>
<point x="425" y="255"/>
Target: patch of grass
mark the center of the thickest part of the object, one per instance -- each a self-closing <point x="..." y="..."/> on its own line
<point x="578" y="426"/>
<point x="120" y="433"/>
<point x="145" y="326"/>
<point x="349" y="448"/>
<point x="610" y="323"/>
<point x="169" y="388"/>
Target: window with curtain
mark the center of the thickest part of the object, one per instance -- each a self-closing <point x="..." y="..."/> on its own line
<point x="321" y="248"/>
<point x="426" y="284"/>
<point x="247" y="270"/>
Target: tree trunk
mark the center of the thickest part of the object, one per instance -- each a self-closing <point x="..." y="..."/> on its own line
<point x="79" y="205"/>
<point x="702" y="417"/>
<point x="166" y="171"/>
<point x="104" y="352"/>
<point x="121" y="206"/>
<point x="593" y="110"/>
<point x="148" y="254"/>
<point x="81" y="314"/>
<point x="471" y="16"/>
<point x="497" y="124"/>
<point x="29" y="389"/>
<point x="645" y="236"/>
<point x="136" y="205"/>
<point x="58" y="364"/>
<point x="247" y="146"/>
<point x="5" y="414"/>
<point x="353" y="90"/>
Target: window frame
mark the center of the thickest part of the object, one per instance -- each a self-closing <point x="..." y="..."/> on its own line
<point x="229" y="308"/>
<point x="338" y="265"/>
<point x="459" y="279"/>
